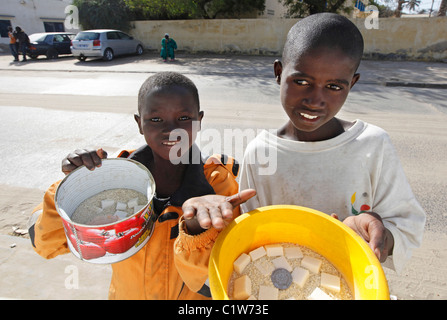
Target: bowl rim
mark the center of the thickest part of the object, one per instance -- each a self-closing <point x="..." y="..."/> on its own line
<point x="215" y="251"/>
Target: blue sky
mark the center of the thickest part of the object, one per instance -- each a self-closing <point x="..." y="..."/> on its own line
<point x="425" y="4"/>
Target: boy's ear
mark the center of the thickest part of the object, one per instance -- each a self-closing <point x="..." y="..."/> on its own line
<point x="355" y="78"/>
<point x="138" y="120"/>
<point x="277" y="68"/>
<point x="201" y="114"/>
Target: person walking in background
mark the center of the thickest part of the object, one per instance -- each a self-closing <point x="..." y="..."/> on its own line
<point x="23" y="39"/>
<point x="12" y="44"/>
<point x="168" y="46"/>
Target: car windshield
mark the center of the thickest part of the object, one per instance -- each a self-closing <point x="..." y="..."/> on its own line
<point x="87" y="36"/>
<point x="38" y="37"/>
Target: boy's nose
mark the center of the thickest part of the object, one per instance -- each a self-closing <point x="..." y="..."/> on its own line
<point x="172" y="130"/>
<point x="314" y="99"/>
<point x="169" y="126"/>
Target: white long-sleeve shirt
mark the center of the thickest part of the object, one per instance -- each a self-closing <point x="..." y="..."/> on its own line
<point x="356" y="171"/>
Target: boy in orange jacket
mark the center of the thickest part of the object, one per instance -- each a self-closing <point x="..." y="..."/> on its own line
<point x="167" y="102"/>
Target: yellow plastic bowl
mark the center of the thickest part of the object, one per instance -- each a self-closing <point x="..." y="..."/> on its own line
<point x="347" y="251"/>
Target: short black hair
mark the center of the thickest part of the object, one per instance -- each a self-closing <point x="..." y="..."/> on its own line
<point x="167" y="79"/>
<point x="320" y="30"/>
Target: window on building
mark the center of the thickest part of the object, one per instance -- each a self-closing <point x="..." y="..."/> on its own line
<point x="360" y="5"/>
<point x="54" y="26"/>
<point x="4" y="24"/>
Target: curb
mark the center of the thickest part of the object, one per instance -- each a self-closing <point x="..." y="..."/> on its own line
<point x="232" y="74"/>
<point x="416" y="85"/>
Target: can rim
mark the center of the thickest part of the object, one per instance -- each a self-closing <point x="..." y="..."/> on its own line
<point x="68" y="219"/>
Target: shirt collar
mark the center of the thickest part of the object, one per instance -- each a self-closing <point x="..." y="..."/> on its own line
<point x="194" y="182"/>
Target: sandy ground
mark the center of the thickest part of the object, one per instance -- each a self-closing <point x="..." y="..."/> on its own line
<point x="425" y="277"/>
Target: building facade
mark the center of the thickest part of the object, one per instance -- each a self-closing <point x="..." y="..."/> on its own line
<point x="273" y="9"/>
<point x="34" y="16"/>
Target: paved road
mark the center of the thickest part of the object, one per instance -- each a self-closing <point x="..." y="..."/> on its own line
<point x="49" y="108"/>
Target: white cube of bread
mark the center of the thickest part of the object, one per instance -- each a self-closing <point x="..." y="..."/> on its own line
<point x="293" y="253"/>
<point x="240" y="263"/>
<point x="265" y="267"/>
<point x="281" y="262"/>
<point x="132" y="202"/>
<point x="121" y="214"/>
<point x="274" y="250"/>
<point x="312" y="264"/>
<point x="300" y="276"/>
<point x="330" y="282"/>
<point x="107" y="203"/>
<point x="268" y="293"/>
<point x="121" y="206"/>
<point x="242" y="288"/>
<point x="319" y="294"/>
<point x="257" y="253"/>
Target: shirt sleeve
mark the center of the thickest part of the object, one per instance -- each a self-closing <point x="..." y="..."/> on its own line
<point x="249" y="179"/>
<point x="401" y="213"/>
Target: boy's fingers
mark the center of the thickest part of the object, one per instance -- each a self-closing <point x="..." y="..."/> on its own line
<point x="203" y="217"/>
<point x="241" y="197"/>
<point x="226" y="209"/>
<point x="216" y="218"/>
<point x="188" y="212"/>
<point x="101" y="153"/>
<point x="376" y="232"/>
<point x="67" y="166"/>
<point x="89" y="158"/>
<point x="71" y="162"/>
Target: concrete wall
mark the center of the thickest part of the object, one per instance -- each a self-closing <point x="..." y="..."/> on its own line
<point x="409" y="39"/>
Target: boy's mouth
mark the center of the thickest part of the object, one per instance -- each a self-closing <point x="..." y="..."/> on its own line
<point x="170" y="143"/>
<point x="308" y="116"/>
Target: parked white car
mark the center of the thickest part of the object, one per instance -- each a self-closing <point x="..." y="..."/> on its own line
<point x="104" y="43"/>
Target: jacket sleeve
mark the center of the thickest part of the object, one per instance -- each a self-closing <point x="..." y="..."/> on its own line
<point x="47" y="233"/>
<point x="191" y="253"/>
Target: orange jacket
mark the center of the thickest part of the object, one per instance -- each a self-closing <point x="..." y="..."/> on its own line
<point x="154" y="272"/>
<point x="12" y="39"/>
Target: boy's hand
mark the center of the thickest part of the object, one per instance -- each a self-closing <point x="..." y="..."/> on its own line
<point x="89" y="158"/>
<point x="212" y="210"/>
<point x="370" y="227"/>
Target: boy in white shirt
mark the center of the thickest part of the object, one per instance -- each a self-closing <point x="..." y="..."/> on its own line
<point x="349" y="169"/>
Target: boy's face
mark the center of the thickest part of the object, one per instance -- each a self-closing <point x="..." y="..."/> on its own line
<point x="314" y="87"/>
<point x="169" y="120"/>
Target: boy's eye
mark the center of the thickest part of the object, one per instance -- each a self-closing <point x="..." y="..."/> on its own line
<point x="302" y="82"/>
<point x="334" y="87"/>
<point x="184" y="118"/>
<point x="156" y="119"/>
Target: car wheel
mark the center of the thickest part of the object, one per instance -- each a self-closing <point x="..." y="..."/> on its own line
<point x="33" y="56"/>
<point x="52" y="54"/>
<point x="108" y="55"/>
<point x="82" y="58"/>
<point x="140" y="50"/>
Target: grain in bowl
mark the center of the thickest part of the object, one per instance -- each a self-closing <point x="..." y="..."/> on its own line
<point x="109" y="206"/>
<point x="286" y="271"/>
